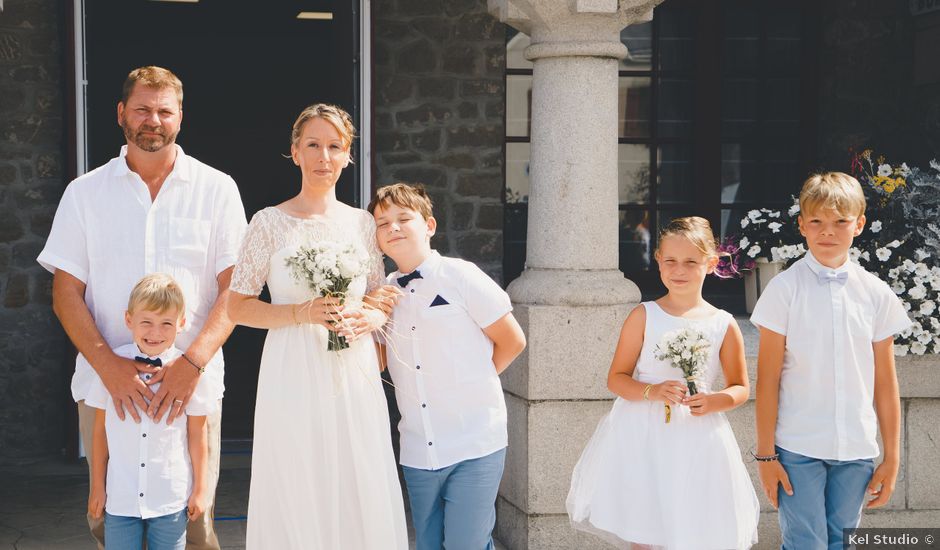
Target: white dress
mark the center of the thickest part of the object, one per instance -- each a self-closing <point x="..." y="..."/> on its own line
<point x="680" y="485"/>
<point x="323" y="475"/>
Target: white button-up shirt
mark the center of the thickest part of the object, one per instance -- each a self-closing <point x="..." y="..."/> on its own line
<point x="109" y="234"/>
<point x="831" y="318"/>
<point x="149" y="470"/>
<point x="441" y="362"/>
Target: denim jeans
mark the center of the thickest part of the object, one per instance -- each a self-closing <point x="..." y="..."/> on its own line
<point x="162" y="533"/>
<point x="827" y="497"/>
<point x="455" y="507"/>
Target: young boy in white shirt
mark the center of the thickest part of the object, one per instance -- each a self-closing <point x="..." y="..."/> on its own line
<point x="450" y="335"/>
<point x="149" y="478"/>
<point x="826" y="357"/>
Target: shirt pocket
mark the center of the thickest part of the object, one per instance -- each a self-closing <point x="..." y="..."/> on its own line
<point x="189" y="241"/>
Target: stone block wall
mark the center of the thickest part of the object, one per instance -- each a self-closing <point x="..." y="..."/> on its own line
<point x="438" y="97"/>
<point x="876" y="85"/>
<point x="33" y="381"/>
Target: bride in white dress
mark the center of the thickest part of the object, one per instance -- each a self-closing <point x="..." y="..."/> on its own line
<point x="323" y="475"/>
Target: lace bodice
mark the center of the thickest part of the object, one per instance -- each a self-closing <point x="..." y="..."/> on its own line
<point x="273" y="235"/>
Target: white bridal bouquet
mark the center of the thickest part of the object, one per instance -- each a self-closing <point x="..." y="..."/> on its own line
<point x="687" y="350"/>
<point x="328" y="268"/>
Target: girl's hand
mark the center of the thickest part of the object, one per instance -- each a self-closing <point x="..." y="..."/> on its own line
<point x="882" y="483"/>
<point x="360" y="321"/>
<point x="701" y="404"/>
<point x="196" y="505"/>
<point x="384" y="298"/>
<point x="771" y="475"/>
<point x="321" y="311"/>
<point x="96" y="501"/>
<point x="670" y="391"/>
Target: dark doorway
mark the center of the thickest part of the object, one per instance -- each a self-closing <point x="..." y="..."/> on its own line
<point x="248" y="69"/>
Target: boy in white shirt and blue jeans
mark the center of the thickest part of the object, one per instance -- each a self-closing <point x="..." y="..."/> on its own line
<point x="826" y="378"/>
<point x="149" y="478"/>
<point x="448" y="338"/>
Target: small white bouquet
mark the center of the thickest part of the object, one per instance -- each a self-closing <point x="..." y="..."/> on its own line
<point x="328" y="268"/>
<point x="686" y="349"/>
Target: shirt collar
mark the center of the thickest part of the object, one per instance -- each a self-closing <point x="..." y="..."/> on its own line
<point x="818" y="268"/>
<point x="429" y="265"/>
<point x="182" y="167"/>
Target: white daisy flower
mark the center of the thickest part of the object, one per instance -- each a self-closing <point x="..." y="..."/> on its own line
<point x="794" y="210"/>
<point x="885" y="170"/>
<point x="875" y="226"/>
<point x="754" y="215"/>
<point x="898" y="287"/>
<point x="918" y="292"/>
<point x="753" y="251"/>
<point x="900" y="350"/>
<point x="918" y="348"/>
<point x="774" y="227"/>
<point x="744" y="242"/>
<point x="883" y="254"/>
<point x="744" y="222"/>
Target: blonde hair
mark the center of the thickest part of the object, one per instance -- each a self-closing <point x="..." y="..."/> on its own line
<point x="832" y="191"/>
<point x="412" y="197"/>
<point x="152" y="77"/>
<point x="336" y="116"/>
<point x="157" y="292"/>
<point x="697" y="230"/>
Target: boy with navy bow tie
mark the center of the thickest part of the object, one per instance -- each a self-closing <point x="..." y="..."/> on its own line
<point x="149" y="478"/>
<point x="450" y="335"/>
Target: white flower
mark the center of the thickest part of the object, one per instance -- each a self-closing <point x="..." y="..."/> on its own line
<point x="905" y="170"/>
<point x="854" y="254"/>
<point x="921" y="270"/>
<point x="907" y="306"/>
<point x="917" y="293"/>
<point x="900" y="350"/>
<point x="866" y="256"/>
<point x="744" y="242"/>
<point x="775" y="254"/>
<point x="744" y="222"/>
<point x="883" y="254"/>
<point x="921" y="254"/>
<point x="909" y="266"/>
<point x="884" y="170"/>
<point x="894" y="272"/>
<point x="753" y="251"/>
<point x="918" y="349"/>
<point x="774" y="227"/>
<point x="773" y="213"/>
<point x="875" y="226"/>
<point x="924" y="337"/>
<point x="898" y="287"/>
<point x="894" y="244"/>
<point x="754" y="215"/>
<point x="794" y="210"/>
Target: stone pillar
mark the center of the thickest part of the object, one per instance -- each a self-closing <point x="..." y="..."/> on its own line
<point x="571" y="299"/>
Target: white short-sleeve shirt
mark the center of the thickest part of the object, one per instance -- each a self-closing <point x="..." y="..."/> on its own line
<point x="831" y="318"/>
<point x="441" y="362"/>
<point x="109" y="234"/>
<point x="149" y="470"/>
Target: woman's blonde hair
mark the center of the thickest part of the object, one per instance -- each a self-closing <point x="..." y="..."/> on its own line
<point x="336" y="116"/>
<point x="157" y="292"/>
<point x="832" y="191"/>
<point x="697" y="230"/>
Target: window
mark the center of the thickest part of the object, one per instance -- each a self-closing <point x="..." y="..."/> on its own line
<point x="713" y="120"/>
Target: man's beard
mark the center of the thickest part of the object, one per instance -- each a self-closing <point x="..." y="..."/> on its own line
<point x="150" y="143"/>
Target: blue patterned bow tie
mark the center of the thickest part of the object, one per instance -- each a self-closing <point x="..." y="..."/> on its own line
<point x="832" y="276"/>
<point x="405" y="279"/>
<point x="155" y="362"/>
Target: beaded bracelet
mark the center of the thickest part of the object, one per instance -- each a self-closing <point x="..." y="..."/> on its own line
<point x="766" y="458"/>
<point x="195" y="366"/>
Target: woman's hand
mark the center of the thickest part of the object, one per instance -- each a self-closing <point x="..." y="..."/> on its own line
<point x="670" y="391"/>
<point x="701" y="404"/>
<point x="360" y="321"/>
<point x="322" y="311"/>
<point x="384" y="298"/>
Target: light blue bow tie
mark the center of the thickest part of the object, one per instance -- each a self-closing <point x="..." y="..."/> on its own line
<point x="832" y="276"/>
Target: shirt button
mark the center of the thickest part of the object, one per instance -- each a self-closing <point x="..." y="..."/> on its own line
<point x="429" y="444"/>
<point x="412" y="328"/>
<point x="418" y="367"/>
<point x="142" y="464"/>
<point x="147" y="377"/>
<point x="412" y="291"/>
<point x="145" y="435"/>
<point x="141" y="494"/>
<point x="424" y="405"/>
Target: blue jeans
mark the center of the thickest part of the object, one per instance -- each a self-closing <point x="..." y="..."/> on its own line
<point x="455" y="507"/>
<point x="162" y="533"/>
<point x="827" y="497"/>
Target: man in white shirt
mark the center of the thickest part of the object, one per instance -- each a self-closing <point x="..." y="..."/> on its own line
<point x="151" y="209"/>
<point x="448" y="339"/>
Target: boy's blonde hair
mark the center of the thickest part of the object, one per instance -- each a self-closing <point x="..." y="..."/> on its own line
<point x="412" y="197"/>
<point x="157" y="292"/>
<point x="697" y="230"/>
<point x="154" y="77"/>
<point x="832" y="191"/>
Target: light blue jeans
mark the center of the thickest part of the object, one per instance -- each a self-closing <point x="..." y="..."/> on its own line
<point x="455" y="507"/>
<point x="827" y="497"/>
<point x="162" y="533"/>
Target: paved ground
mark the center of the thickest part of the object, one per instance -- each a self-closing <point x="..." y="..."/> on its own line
<point x="42" y="503"/>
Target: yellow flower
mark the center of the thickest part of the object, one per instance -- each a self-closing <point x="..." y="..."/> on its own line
<point x="889" y="186"/>
<point x="901" y="182"/>
<point x="880" y="180"/>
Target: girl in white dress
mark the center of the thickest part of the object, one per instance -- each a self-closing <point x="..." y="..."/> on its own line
<point x="323" y="474"/>
<point x="681" y="483"/>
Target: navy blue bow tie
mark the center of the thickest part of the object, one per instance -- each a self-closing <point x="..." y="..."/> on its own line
<point x="405" y="279"/>
<point x="155" y="362"/>
<point x="832" y="276"/>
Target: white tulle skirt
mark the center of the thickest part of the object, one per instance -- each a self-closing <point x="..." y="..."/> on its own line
<point x="680" y="485"/>
<point x="323" y="474"/>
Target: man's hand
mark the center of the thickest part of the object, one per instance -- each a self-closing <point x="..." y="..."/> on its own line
<point x="772" y="474"/>
<point x="127" y="390"/>
<point x="178" y="382"/>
